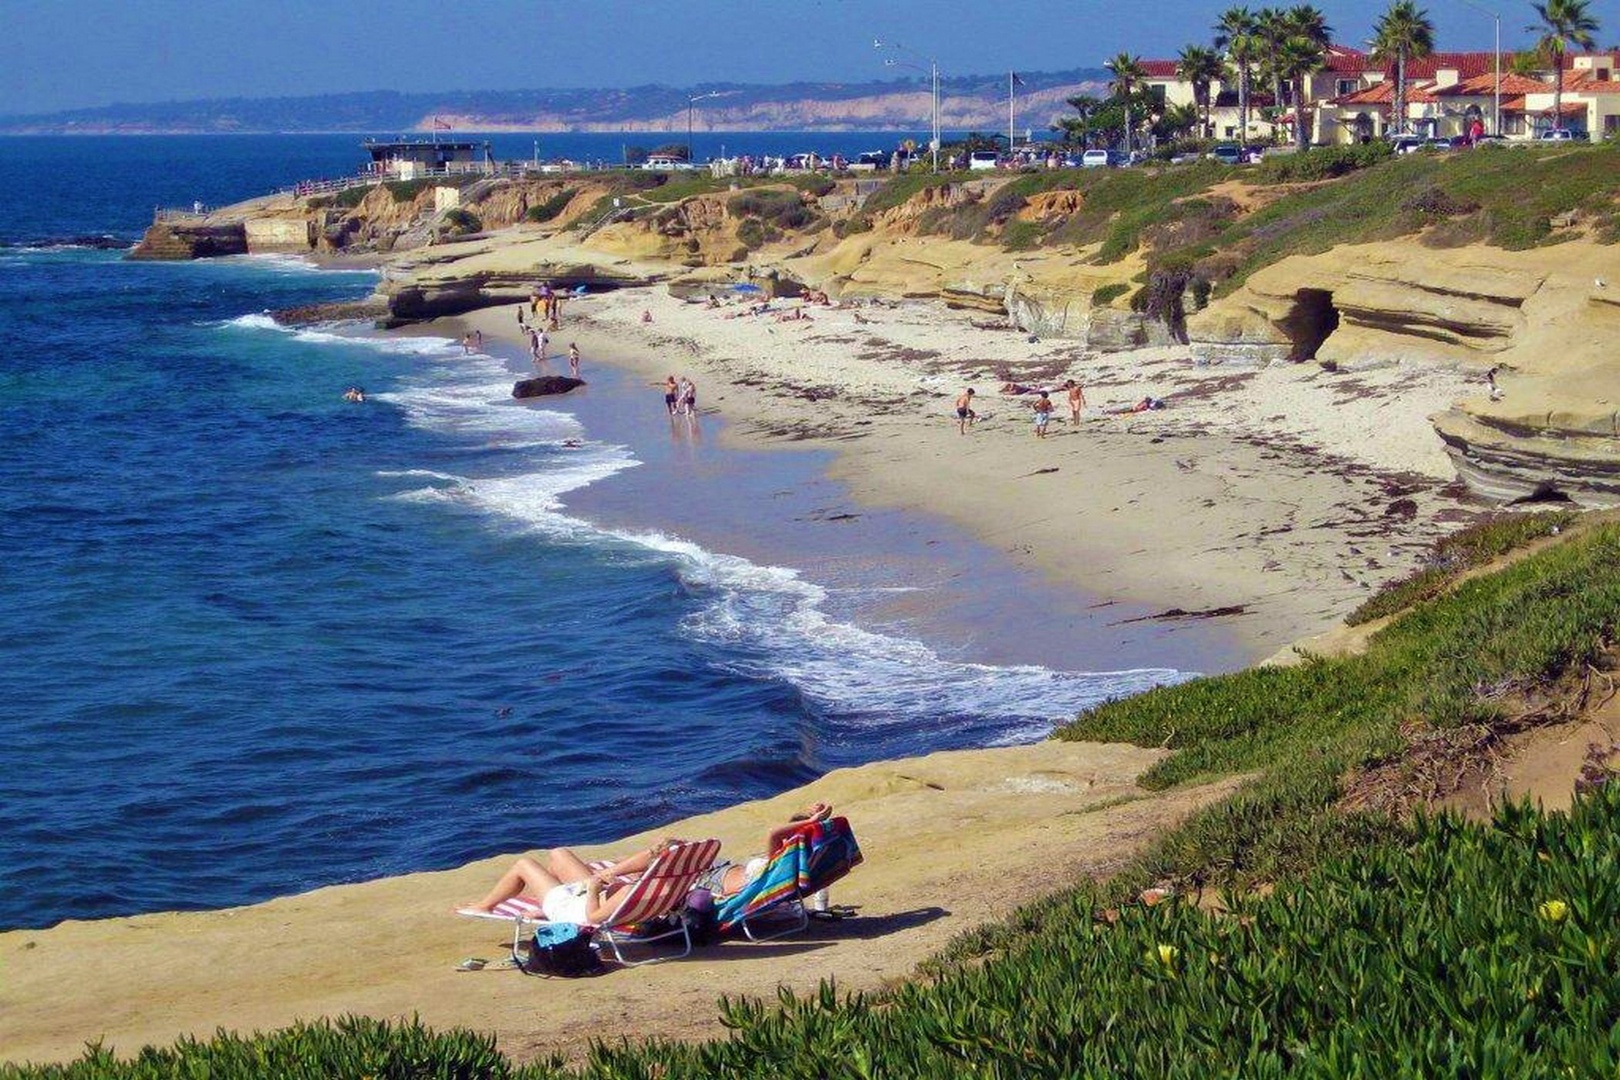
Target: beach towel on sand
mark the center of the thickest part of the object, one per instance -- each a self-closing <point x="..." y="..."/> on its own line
<point x="814" y="856"/>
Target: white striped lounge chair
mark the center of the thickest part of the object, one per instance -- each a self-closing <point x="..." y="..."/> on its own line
<point x="660" y="891"/>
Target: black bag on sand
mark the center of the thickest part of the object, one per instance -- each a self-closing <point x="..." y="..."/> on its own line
<point x="562" y="949"/>
<point x="699" y="916"/>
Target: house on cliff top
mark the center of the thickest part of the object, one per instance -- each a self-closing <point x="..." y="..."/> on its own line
<point x="1352" y="97"/>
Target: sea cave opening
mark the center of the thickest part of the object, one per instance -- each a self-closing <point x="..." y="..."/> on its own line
<point x="1311" y="321"/>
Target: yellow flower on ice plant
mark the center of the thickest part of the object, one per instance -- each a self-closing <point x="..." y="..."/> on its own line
<point x="1168" y="954"/>
<point x="1554" y="911"/>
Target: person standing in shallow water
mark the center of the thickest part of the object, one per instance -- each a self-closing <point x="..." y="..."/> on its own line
<point x="573" y="359"/>
<point x="1043" y="414"/>
<point x="964" y="411"/>
<point x="671" y="394"/>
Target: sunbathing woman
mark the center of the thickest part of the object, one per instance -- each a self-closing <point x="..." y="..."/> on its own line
<point x="726" y="877"/>
<point x="567" y="888"/>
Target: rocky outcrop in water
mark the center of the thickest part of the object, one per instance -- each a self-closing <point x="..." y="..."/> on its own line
<point x="545" y="386"/>
<point x="191" y="240"/>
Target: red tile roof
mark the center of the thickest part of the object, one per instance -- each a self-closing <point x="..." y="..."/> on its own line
<point x="1343" y="60"/>
<point x="1160" y="69"/>
<point x="1485" y="85"/>
<point x="1583" y="83"/>
<point x="1570" y="108"/>
<point x="1384" y="94"/>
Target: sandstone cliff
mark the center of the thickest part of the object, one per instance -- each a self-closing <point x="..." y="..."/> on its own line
<point x="1546" y="319"/>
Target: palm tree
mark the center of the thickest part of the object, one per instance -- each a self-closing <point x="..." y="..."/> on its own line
<point x="1402" y="33"/>
<point x="1234" y="32"/>
<point x="1178" y="120"/>
<point x="1127" y="72"/>
<point x="1200" y="66"/>
<point x="1079" y="127"/>
<point x="1302" y="53"/>
<point x="1563" y="23"/>
<point x="1271" y="27"/>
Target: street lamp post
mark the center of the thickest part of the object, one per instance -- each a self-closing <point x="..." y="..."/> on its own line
<point x="690" y="102"/>
<point x="933" y="78"/>
<point x="1496" y="102"/>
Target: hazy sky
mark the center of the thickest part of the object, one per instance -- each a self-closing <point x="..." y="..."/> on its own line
<point x="60" y="54"/>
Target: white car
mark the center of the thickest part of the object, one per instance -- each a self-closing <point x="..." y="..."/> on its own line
<point x="1408" y="144"/>
<point x="663" y="163"/>
<point x="1560" y="135"/>
<point x="1095" y="159"/>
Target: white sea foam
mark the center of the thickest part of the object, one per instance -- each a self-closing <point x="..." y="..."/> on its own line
<point x="294" y="264"/>
<point x="773" y="624"/>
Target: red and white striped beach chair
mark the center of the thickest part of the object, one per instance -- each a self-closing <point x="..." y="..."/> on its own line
<point x="659" y="892"/>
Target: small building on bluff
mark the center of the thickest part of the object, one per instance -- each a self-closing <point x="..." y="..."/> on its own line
<point x="408" y="159"/>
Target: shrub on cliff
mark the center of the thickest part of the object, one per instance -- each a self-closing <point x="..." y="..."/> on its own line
<point x="783" y="209"/>
<point x="1107" y="294"/>
<point x="549" y="209"/>
<point x="1322" y="162"/>
<point x="459" y="222"/>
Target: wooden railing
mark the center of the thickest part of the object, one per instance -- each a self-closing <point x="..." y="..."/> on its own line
<point x="171" y="214"/>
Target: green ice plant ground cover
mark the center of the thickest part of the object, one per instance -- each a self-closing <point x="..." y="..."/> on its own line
<point x="1377" y="948"/>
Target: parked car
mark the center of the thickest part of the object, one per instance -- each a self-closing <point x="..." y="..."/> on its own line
<point x="1408" y="144"/>
<point x="1227" y="154"/>
<point x="1119" y="158"/>
<point x="1438" y="143"/>
<point x="983" y="159"/>
<point x="1096" y="159"/>
<point x="1561" y="135"/>
<point x="664" y="163"/>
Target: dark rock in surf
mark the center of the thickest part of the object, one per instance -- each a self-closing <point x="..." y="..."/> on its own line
<point x="545" y="386"/>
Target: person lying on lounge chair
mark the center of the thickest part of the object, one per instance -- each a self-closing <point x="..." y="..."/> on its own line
<point x="725" y="877"/>
<point x="566" y="887"/>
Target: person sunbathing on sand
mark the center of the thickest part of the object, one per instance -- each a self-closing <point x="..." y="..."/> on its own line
<point x="567" y="888"/>
<point x="726" y="877"/>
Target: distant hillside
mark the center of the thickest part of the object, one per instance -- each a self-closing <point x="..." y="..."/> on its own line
<point x="966" y="102"/>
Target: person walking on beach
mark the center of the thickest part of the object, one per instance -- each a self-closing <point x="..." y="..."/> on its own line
<point x="1490" y="381"/>
<point x="556" y="311"/>
<point x="964" y="411"/>
<point x="573" y="359"/>
<point x="687" y="389"/>
<point x="466" y="344"/>
<point x="671" y="394"/>
<point x="1043" y="413"/>
<point x="1077" y="400"/>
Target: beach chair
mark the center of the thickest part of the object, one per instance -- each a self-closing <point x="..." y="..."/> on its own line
<point x="649" y="911"/>
<point x="813" y="857"/>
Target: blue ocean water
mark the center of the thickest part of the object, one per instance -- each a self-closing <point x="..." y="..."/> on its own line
<point x="256" y="639"/>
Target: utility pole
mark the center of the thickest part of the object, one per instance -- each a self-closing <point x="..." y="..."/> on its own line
<point x="933" y="77"/>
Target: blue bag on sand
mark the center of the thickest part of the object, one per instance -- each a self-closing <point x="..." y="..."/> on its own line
<point x="561" y="949"/>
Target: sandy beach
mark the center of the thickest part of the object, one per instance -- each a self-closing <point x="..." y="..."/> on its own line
<point x="1293" y="490"/>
